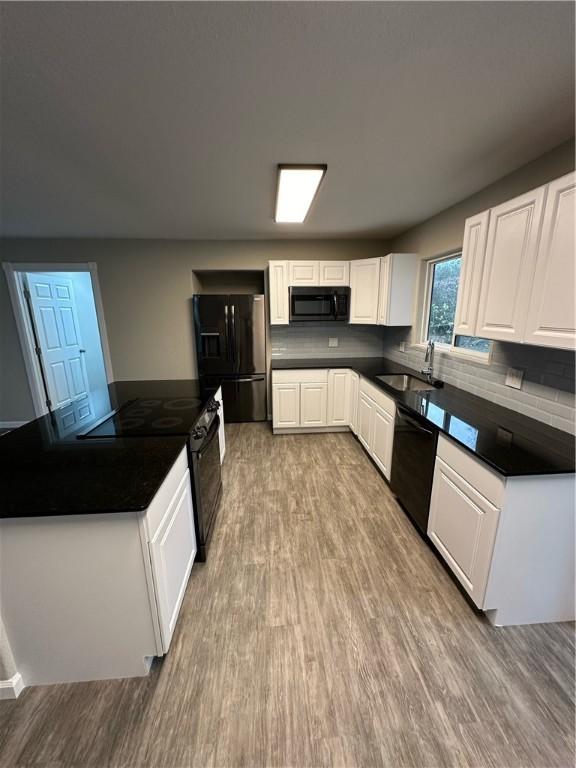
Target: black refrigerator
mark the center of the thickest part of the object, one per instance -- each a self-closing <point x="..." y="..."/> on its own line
<point x="231" y="348"/>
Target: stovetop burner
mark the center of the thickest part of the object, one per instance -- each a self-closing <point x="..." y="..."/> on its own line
<point x="149" y="417"/>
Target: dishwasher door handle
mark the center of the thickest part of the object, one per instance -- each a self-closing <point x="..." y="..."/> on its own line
<point x="415" y="424"/>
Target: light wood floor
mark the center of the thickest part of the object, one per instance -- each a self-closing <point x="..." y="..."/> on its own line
<point x="321" y="632"/>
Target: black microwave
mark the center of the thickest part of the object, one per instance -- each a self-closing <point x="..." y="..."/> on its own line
<point x="319" y="304"/>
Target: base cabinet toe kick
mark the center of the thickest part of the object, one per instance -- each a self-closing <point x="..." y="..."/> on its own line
<point x="509" y="541"/>
<point x="91" y="597"/>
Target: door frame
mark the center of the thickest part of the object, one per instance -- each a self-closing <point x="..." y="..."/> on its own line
<point x="24" y="326"/>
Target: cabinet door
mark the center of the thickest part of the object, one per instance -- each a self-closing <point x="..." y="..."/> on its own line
<point x="334" y="273"/>
<point x="364" y="285"/>
<point x="339" y="398"/>
<point x="509" y="264"/>
<point x="382" y="439"/>
<point x="172" y="552"/>
<point x="304" y="273"/>
<point x="313" y="404"/>
<point x="473" y="250"/>
<point x="285" y="405"/>
<point x="365" y="421"/>
<point x="551" y="310"/>
<point x="384" y="289"/>
<point x="278" y="288"/>
<point x="462" y="525"/>
<point x="354" y="391"/>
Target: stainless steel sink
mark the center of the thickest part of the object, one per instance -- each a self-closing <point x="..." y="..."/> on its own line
<point x="404" y="382"/>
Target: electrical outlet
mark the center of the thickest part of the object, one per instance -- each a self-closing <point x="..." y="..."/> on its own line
<point x="514" y="378"/>
<point x="402" y="346"/>
<point x="332" y="341"/>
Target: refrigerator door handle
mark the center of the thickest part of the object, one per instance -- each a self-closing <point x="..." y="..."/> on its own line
<point x="227" y="337"/>
<point x="252" y="378"/>
<point x="233" y="334"/>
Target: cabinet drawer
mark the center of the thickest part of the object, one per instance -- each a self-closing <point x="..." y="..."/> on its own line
<point x="301" y="376"/>
<point x="380" y="398"/>
<point x="165" y="495"/>
<point x="488" y="483"/>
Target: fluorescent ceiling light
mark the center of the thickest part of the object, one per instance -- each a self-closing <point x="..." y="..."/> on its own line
<point x="297" y="187"/>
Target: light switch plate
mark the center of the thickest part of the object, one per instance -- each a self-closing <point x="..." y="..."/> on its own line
<point x="514" y="378"/>
<point x="332" y="341"/>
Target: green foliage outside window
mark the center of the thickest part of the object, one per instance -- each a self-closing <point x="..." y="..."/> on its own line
<point x="444" y="292"/>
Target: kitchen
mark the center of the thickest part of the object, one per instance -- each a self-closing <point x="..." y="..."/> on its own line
<point x="321" y="511"/>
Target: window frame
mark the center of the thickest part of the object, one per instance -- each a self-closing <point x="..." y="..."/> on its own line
<point x="422" y="340"/>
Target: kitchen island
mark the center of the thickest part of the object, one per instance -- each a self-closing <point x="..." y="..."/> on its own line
<point x="97" y="541"/>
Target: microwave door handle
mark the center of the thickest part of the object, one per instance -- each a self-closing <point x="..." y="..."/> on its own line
<point x="335" y="305"/>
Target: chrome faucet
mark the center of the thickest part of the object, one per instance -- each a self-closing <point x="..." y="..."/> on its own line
<point x="428" y="370"/>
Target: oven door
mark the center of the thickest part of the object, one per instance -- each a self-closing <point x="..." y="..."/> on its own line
<point x="207" y="486"/>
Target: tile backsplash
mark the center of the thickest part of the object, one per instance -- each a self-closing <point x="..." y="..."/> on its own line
<point x="311" y="340"/>
<point x="547" y="392"/>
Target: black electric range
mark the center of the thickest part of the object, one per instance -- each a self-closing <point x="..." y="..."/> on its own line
<point x="197" y="419"/>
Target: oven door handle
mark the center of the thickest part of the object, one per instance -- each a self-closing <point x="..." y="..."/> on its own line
<point x="212" y="432"/>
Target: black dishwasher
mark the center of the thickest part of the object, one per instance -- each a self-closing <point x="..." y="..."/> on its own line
<point x="413" y="457"/>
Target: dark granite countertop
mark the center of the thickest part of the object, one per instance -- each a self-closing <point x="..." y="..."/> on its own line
<point x="509" y="442"/>
<point x="45" y="470"/>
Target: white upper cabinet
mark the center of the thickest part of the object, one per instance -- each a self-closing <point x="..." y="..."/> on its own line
<point x="473" y="250"/>
<point x="334" y="273"/>
<point x="513" y="235"/>
<point x="398" y="273"/>
<point x="304" y="273"/>
<point x="551" y="310"/>
<point x="278" y="290"/>
<point x="364" y="286"/>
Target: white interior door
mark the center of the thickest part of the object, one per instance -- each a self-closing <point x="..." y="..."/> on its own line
<point x="58" y="332"/>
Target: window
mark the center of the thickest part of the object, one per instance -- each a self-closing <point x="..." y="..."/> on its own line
<point x="443" y="276"/>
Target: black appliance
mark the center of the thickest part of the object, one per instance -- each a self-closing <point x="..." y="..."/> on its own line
<point x="413" y="457"/>
<point x="195" y="417"/>
<point x="231" y="351"/>
<point x="319" y="304"/>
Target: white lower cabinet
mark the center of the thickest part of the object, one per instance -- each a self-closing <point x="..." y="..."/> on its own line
<point x="354" y="391"/>
<point x="309" y="399"/>
<point x="286" y="405"/>
<point x="172" y="553"/>
<point x="376" y="414"/>
<point x="313" y="404"/>
<point x="339" y="381"/>
<point x="103" y="595"/>
<point x="508" y="540"/>
<point x="462" y="525"/>
<point x="365" y="421"/>
<point x="382" y="440"/>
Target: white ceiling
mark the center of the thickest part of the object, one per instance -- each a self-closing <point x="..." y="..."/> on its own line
<point x="168" y="119"/>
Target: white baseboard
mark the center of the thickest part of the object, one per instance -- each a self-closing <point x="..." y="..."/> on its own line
<point x="12" y="424"/>
<point x="11" y="688"/>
